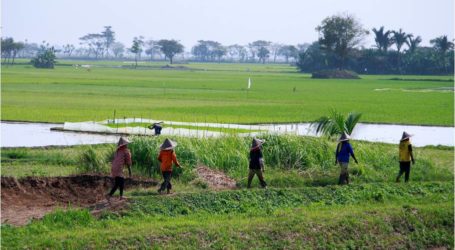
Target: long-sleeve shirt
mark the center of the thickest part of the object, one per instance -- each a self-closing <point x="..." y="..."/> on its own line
<point x="255" y="159"/>
<point x="344" y="150"/>
<point x="122" y="157"/>
<point x="167" y="158"/>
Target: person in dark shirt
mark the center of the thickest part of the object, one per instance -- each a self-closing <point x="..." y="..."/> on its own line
<point x="256" y="163"/>
<point x="344" y="150"/>
<point x="157" y="127"/>
<point x="405" y="157"/>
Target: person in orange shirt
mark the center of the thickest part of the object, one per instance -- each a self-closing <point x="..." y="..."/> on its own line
<point x="167" y="158"/>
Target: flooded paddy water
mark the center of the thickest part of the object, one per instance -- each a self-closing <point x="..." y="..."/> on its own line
<point x="16" y="134"/>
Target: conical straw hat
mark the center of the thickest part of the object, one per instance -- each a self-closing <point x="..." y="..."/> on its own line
<point x="344" y="137"/>
<point x="405" y="136"/>
<point x="122" y="142"/>
<point x="168" y="144"/>
<point x="256" y="143"/>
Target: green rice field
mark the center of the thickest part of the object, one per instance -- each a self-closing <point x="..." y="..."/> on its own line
<point x="217" y="93"/>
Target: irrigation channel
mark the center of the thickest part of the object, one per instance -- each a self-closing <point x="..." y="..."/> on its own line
<point x="17" y="134"/>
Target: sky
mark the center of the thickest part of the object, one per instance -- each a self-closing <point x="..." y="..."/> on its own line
<point x="226" y="21"/>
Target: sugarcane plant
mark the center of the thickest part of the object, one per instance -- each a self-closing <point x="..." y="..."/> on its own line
<point x="336" y="123"/>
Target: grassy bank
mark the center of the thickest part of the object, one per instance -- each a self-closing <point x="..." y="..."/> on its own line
<point x="217" y="93"/>
<point x="301" y="209"/>
<point x="291" y="161"/>
<point x="370" y="216"/>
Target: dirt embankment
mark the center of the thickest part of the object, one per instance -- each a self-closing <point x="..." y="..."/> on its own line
<point x="33" y="197"/>
<point x="215" y="179"/>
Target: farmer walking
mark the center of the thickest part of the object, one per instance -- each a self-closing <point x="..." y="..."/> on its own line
<point x="167" y="158"/>
<point x="157" y="127"/>
<point x="122" y="157"/>
<point x="256" y="163"/>
<point x="405" y="157"/>
<point x="344" y="150"/>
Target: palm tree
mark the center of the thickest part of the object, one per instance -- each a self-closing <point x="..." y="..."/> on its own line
<point x="413" y="43"/>
<point x="382" y="39"/>
<point x="400" y="38"/>
<point x="336" y="123"/>
<point x="442" y="45"/>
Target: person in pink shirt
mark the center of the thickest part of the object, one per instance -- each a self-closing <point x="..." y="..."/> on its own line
<point x="122" y="157"/>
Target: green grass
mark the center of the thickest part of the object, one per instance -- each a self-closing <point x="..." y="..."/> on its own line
<point x="201" y="128"/>
<point x="214" y="93"/>
<point x="291" y="161"/>
<point x="371" y="216"/>
<point x="301" y="209"/>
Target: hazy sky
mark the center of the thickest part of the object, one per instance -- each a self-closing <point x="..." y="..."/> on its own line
<point x="226" y="21"/>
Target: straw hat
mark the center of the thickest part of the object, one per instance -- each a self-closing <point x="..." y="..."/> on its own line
<point x="344" y="137"/>
<point x="405" y="136"/>
<point x="122" y="142"/>
<point x="257" y="143"/>
<point x="168" y="144"/>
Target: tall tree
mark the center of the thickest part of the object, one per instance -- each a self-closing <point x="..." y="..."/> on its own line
<point x="136" y="48"/>
<point x="259" y="46"/>
<point x="383" y="39"/>
<point x="109" y="38"/>
<point x="289" y="51"/>
<point x="413" y="43"/>
<point x="442" y="45"/>
<point x="95" y="43"/>
<point x="237" y="51"/>
<point x="68" y="49"/>
<point x="275" y="50"/>
<point x="170" y="48"/>
<point x="152" y="48"/>
<point x="118" y="49"/>
<point x="400" y="38"/>
<point x="339" y="34"/>
<point x="263" y="54"/>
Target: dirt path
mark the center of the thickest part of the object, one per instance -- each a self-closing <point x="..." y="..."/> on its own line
<point x="33" y="197"/>
<point x="215" y="179"/>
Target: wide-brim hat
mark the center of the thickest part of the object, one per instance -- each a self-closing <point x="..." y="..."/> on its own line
<point x="344" y="137"/>
<point x="122" y="142"/>
<point x="257" y="143"/>
<point x="168" y="144"/>
<point x="405" y="136"/>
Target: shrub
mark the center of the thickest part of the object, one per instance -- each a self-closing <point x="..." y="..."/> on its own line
<point x="338" y="74"/>
<point x="92" y="162"/>
<point x="45" y="58"/>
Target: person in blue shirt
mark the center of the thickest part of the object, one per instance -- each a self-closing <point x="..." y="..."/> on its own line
<point x="157" y="127"/>
<point x="342" y="154"/>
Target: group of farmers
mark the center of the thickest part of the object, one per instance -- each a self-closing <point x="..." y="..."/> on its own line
<point x="168" y="158"/>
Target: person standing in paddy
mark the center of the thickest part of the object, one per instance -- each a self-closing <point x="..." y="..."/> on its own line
<point x="167" y="157"/>
<point x="122" y="157"/>
<point x="405" y="157"/>
<point x="256" y="163"/>
<point x="342" y="154"/>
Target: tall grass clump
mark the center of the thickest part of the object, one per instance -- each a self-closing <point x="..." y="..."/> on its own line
<point x="92" y="161"/>
<point x="286" y="153"/>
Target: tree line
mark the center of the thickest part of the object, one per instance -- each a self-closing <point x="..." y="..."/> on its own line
<point x="339" y="47"/>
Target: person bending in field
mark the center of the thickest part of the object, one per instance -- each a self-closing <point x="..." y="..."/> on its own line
<point x="157" y="127"/>
<point x="167" y="158"/>
<point x="342" y="154"/>
<point x="405" y="157"/>
<point x="256" y="163"/>
<point x="122" y="157"/>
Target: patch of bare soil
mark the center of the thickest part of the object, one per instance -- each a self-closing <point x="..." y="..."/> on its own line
<point x="33" y="197"/>
<point x="215" y="179"/>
